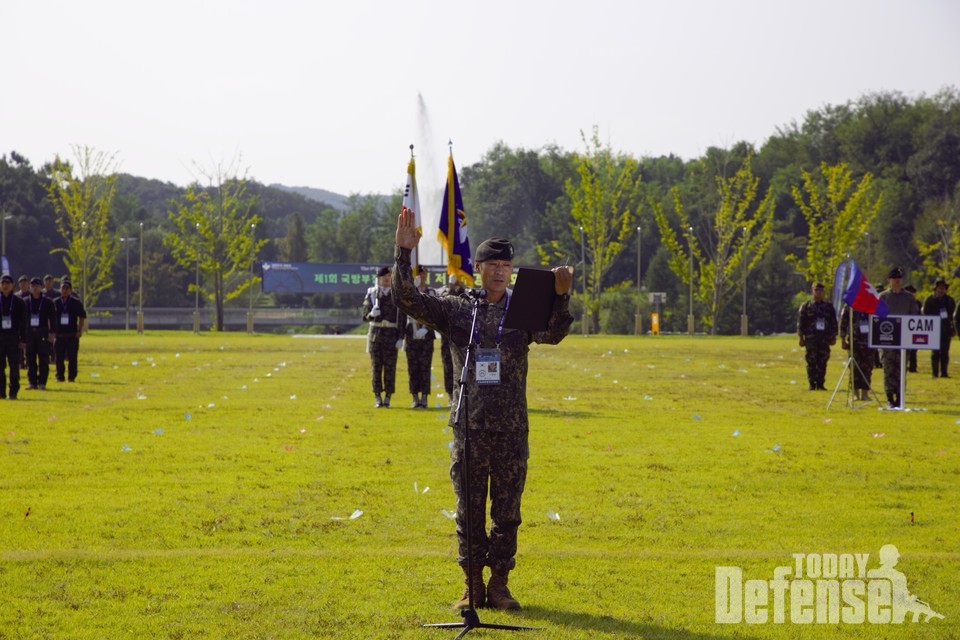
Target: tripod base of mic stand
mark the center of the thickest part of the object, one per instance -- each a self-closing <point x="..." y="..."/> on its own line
<point x="472" y="621"/>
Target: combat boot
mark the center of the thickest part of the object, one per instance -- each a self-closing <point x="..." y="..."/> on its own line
<point x="479" y="590"/>
<point x="378" y="401"/>
<point x="416" y="402"/>
<point x="386" y="400"/>
<point x="498" y="595"/>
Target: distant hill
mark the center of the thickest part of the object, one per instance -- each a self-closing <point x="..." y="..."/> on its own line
<point x="330" y="198"/>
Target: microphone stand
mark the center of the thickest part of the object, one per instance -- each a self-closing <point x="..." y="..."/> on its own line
<point x="470" y="618"/>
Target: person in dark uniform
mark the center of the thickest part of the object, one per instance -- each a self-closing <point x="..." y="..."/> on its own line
<point x="454" y="288"/>
<point x="900" y="302"/>
<point x="23" y="282"/>
<point x="419" y="347"/>
<point x="385" y="336"/>
<point x="49" y="288"/>
<point x="495" y="403"/>
<point x="857" y="324"/>
<point x="40" y="310"/>
<point x="13" y="326"/>
<point x="817" y="329"/>
<point x="69" y="319"/>
<point x="52" y="292"/>
<point x="941" y="305"/>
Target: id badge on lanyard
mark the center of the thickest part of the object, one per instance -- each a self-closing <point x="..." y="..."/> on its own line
<point x="864" y="327"/>
<point x="34" y="319"/>
<point x="821" y="324"/>
<point x="7" y="322"/>
<point x="943" y="314"/>
<point x="488" y="366"/>
<point x="64" y="319"/>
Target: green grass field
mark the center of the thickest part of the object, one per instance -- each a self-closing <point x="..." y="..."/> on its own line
<point x="201" y="487"/>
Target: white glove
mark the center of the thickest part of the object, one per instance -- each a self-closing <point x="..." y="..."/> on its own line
<point x="375" y="312"/>
<point x="399" y="344"/>
<point x="420" y="333"/>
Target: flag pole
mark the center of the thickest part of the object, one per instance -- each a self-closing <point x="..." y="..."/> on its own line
<point x="415" y="254"/>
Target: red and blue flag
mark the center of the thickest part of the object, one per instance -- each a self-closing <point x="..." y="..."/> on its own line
<point x="857" y="291"/>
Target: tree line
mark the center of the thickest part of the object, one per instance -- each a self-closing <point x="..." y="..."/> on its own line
<point x="875" y="178"/>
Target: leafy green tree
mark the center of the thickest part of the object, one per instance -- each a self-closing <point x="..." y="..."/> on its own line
<point x="940" y="256"/>
<point x="82" y="201"/>
<point x="212" y="232"/>
<point x="838" y="211"/>
<point x="294" y="247"/>
<point x="605" y="199"/>
<point x="732" y="244"/>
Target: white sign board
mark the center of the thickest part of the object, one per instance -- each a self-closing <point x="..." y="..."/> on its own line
<point x="905" y="332"/>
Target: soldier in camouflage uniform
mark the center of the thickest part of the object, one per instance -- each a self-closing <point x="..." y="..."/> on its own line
<point x="385" y="336"/>
<point x="495" y="405"/>
<point x="817" y="328"/>
<point x="419" y="348"/>
<point x="858" y="323"/>
<point x="900" y="302"/>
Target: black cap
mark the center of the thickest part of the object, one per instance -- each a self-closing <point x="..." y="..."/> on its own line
<point x="6" y="278"/>
<point x="896" y="272"/>
<point x="417" y="270"/>
<point x="818" y="286"/>
<point x="36" y="281"/>
<point x="49" y="277"/>
<point x="496" y="248"/>
<point x="382" y="271"/>
<point x="940" y="281"/>
<point x="23" y="279"/>
<point x="65" y="283"/>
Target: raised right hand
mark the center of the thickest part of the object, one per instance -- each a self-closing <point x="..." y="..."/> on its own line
<point x="408" y="236"/>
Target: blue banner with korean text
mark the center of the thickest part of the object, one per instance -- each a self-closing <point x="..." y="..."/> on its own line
<point x="330" y="277"/>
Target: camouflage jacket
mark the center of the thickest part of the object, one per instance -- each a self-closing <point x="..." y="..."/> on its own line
<point x="810" y="313"/>
<point x="498" y="407"/>
<point x="390" y="324"/>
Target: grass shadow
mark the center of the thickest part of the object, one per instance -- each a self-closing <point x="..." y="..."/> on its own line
<point x="587" y="622"/>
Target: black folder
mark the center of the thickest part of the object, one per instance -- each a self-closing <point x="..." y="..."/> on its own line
<point x="531" y="302"/>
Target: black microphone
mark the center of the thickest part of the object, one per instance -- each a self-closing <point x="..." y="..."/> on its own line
<point x="475" y="294"/>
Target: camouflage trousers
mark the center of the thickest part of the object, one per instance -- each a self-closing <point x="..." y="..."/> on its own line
<point x="447" y="361"/>
<point x="383" y="364"/>
<point x="863" y="372"/>
<point x="419" y="362"/>
<point x="891" y="370"/>
<point x="498" y="460"/>
<point x="940" y="360"/>
<point x="818" y="354"/>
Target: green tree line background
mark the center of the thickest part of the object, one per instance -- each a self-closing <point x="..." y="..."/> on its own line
<point x="735" y="215"/>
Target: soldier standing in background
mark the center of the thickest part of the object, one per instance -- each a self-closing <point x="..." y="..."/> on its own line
<point x="385" y="336"/>
<point x="899" y="303"/>
<point x="23" y="282"/>
<point x="496" y="404"/>
<point x="52" y="292"/>
<point x="419" y="348"/>
<point x="452" y="289"/>
<point x="943" y="306"/>
<point x="861" y="352"/>
<point x="40" y="310"/>
<point x="69" y="320"/>
<point x="13" y="326"/>
<point x="817" y="329"/>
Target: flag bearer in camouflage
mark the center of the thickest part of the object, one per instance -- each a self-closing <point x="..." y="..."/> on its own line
<point x="419" y="348"/>
<point x="900" y="302"/>
<point x="817" y="327"/>
<point x="862" y="354"/>
<point x="495" y="404"/>
<point x="384" y="338"/>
